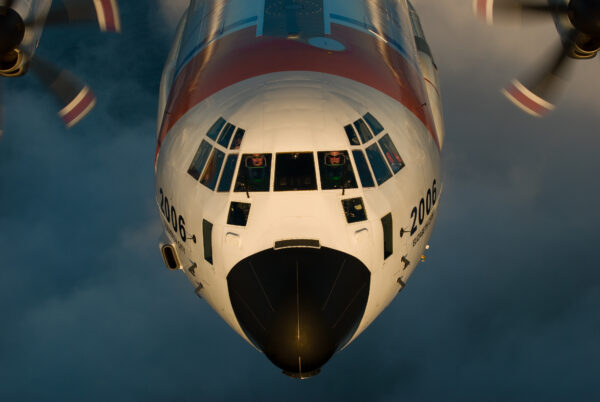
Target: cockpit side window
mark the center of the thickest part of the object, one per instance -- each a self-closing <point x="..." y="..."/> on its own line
<point x="336" y="170"/>
<point x="363" y="169"/>
<point x="391" y="153"/>
<point x="254" y="173"/>
<point x="213" y="168"/>
<point x="200" y="159"/>
<point x="363" y="131"/>
<point x="237" y="139"/>
<point x="374" y="140"/>
<point x="351" y="135"/>
<point x="228" y="171"/>
<point x="295" y="171"/>
<point x="380" y="168"/>
<point x="376" y="127"/>
<point x="215" y="129"/>
<point x="225" y="136"/>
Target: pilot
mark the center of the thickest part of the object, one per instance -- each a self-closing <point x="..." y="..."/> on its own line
<point x="256" y="166"/>
<point x="335" y="162"/>
<point x="257" y="160"/>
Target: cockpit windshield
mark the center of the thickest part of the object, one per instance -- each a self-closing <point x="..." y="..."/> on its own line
<point x="254" y="173"/>
<point x="295" y="171"/>
<point x="336" y="170"/>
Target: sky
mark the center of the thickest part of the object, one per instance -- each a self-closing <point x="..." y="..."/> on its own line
<point x="506" y="307"/>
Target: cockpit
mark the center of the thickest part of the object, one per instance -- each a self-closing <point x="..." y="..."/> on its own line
<point x="370" y="155"/>
<point x="295" y="171"/>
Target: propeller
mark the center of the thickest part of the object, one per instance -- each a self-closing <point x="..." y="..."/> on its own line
<point x="580" y="40"/>
<point x="75" y="97"/>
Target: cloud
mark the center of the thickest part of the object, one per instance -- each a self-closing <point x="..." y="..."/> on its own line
<point x="504" y="308"/>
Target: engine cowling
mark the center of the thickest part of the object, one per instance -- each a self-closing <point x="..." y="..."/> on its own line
<point x="586" y="47"/>
<point x="13" y="63"/>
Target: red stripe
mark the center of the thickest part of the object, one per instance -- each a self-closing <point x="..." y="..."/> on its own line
<point x="242" y="55"/>
<point x="109" y="15"/>
<point x="526" y="101"/>
<point x="482" y="8"/>
<point x="80" y="108"/>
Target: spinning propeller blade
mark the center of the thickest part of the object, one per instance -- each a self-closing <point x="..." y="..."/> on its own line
<point x="537" y="96"/>
<point x="105" y="12"/>
<point x="75" y="97"/>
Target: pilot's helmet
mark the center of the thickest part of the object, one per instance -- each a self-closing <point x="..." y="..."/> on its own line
<point x="334" y="164"/>
<point x="256" y="165"/>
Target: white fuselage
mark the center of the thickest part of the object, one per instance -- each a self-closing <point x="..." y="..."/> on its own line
<point x="263" y="82"/>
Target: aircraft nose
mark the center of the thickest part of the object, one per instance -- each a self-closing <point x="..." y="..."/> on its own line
<point x="299" y="305"/>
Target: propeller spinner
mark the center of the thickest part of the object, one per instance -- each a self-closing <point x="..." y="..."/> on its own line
<point x="75" y="97"/>
<point x="580" y="20"/>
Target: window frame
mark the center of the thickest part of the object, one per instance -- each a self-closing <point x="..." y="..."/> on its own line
<point x="385" y="164"/>
<point x="197" y="155"/>
<point x="214" y="179"/>
<point x="314" y="171"/>
<point x="368" y="167"/>
<point x="221" y="122"/>
<point x="270" y="173"/>
<point x="379" y="137"/>
<point x="347" y="166"/>
<point x="387" y="138"/>
<point x="224" y="172"/>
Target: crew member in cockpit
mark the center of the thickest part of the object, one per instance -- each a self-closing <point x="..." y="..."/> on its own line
<point x="256" y="160"/>
<point x="256" y="166"/>
<point x="254" y="173"/>
<point x="335" y="162"/>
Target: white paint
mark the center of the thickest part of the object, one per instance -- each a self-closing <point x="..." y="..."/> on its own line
<point x="300" y="112"/>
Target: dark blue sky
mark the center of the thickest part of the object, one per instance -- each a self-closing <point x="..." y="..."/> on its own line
<point x="506" y="307"/>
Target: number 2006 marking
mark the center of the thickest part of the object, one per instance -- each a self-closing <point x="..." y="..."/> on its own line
<point x="424" y="208"/>
<point x="176" y="221"/>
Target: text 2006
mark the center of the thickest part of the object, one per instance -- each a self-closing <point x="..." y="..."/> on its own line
<point x="176" y="221"/>
<point x="424" y="208"/>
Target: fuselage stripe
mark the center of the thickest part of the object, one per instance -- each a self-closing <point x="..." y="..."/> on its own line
<point x="370" y="28"/>
<point x="241" y="55"/>
<point x="194" y="52"/>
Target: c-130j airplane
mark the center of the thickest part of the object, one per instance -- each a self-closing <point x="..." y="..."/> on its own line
<point x="297" y="165"/>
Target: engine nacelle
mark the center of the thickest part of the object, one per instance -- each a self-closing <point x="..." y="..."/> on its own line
<point x="586" y="48"/>
<point x="13" y="63"/>
<point x="20" y="39"/>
